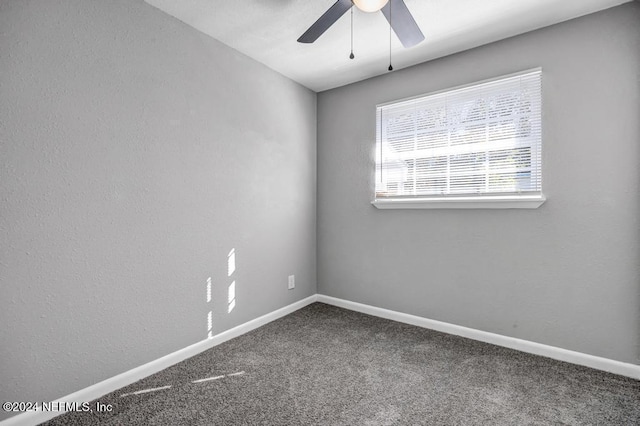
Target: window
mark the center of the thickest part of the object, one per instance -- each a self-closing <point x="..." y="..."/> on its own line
<point x="477" y="146"/>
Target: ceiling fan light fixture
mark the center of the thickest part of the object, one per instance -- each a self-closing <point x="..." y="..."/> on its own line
<point x="370" y="5"/>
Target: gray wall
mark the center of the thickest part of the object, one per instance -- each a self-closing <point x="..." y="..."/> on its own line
<point x="566" y="274"/>
<point x="135" y="153"/>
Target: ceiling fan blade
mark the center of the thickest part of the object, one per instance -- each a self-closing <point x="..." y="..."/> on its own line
<point x="326" y="20"/>
<point x="402" y="23"/>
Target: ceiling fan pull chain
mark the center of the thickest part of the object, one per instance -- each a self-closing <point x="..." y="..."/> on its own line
<point x="352" y="55"/>
<point x="390" y="8"/>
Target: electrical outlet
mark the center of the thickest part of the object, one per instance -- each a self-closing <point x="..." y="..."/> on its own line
<point x="292" y="281"/>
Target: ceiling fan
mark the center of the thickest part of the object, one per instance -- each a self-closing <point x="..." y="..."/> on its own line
<point x="395" y="11"/>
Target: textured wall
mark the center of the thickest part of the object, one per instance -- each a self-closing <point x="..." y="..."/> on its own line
<point x="566" y="274"/>
<point x="135" y="153"/>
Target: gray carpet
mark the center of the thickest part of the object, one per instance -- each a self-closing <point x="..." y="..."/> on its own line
<point x="328" y="366"/>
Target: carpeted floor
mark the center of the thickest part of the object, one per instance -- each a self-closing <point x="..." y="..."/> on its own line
<point x="324" y="365"/>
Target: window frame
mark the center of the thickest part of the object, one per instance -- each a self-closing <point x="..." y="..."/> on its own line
<point x="484" y="200"/>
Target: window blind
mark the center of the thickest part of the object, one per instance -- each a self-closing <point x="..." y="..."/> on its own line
<point x="478" y="140"/>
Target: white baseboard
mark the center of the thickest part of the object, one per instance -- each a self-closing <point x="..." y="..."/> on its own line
<point x="121" y="380"/>
<point x="599" y="363"/>
<point x="107" y="386"/>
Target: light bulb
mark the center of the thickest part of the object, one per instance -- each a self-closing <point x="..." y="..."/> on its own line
<point x="370" y="5"/>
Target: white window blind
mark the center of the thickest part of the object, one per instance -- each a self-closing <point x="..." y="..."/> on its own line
<point x="477" y="141"/>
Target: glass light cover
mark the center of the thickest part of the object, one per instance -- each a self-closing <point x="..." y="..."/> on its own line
<point x="370" y="5"/>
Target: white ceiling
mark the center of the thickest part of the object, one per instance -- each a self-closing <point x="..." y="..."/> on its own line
<point x="267" y="30"/>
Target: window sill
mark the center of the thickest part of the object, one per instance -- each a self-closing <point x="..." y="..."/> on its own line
<point x="486" y="202"/>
